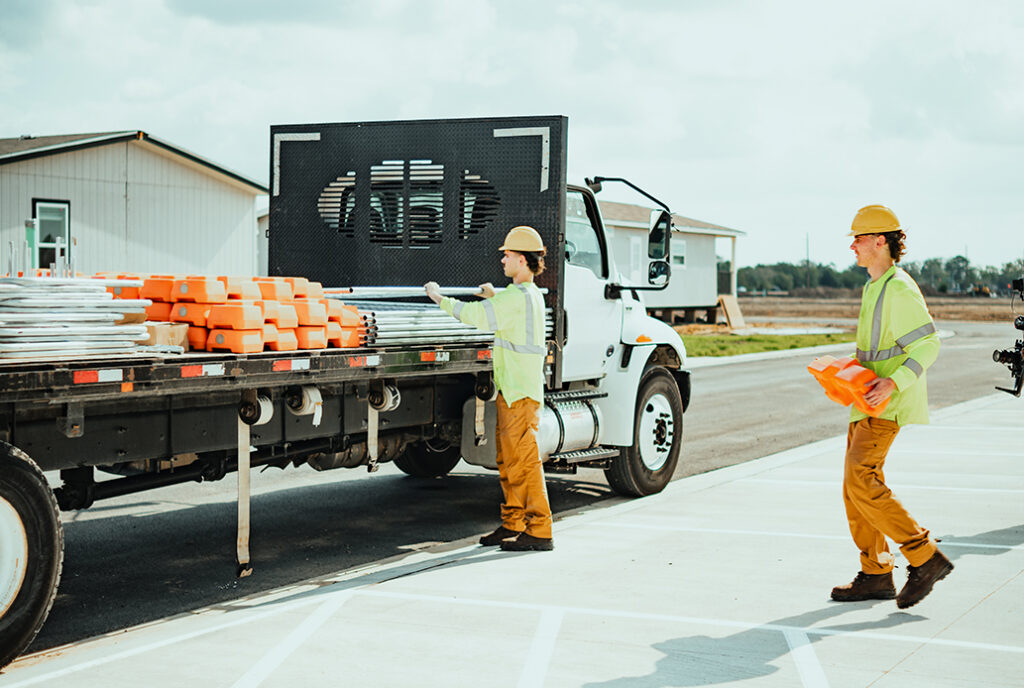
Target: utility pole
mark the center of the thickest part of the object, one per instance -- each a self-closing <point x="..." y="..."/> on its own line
<point x="808" y="264"/>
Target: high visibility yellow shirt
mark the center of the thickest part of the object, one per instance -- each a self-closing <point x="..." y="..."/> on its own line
<point x="516" y="317"/>
<point x="896" y="339"/>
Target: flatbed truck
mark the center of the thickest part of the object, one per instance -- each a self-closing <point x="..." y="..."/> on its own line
<point x="361" y="204"/>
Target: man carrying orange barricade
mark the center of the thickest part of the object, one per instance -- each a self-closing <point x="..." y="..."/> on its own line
<point x="896" y="340"/>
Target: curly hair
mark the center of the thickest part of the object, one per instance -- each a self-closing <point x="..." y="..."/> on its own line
<point x="897" y="245"/>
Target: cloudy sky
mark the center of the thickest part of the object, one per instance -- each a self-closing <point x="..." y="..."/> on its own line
<point x="777" y="118"/>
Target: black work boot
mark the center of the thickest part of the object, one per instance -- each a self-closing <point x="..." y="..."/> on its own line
<point x="526" y="543"/>
<point x="496" y="538"/>
<point x="921" y="579"/>
<point x="866" y="586"/>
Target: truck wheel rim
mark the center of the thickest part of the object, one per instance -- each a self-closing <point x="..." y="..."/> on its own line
<point x="14" y="561"/>
<point x="657" y="430"/>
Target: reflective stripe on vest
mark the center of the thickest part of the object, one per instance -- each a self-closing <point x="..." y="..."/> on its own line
<point x="533" y="346"/>
<point x="492" y="318"/>
<point x="892" y="352"/>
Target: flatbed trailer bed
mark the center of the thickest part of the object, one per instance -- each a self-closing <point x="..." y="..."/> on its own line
<point x="96" y="378"/>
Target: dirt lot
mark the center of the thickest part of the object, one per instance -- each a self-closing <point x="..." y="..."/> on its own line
<point x="942" y="308"/>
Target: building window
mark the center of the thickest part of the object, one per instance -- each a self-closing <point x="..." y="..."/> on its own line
<point x="678" y="252"/>
<point x="53" y="222"/>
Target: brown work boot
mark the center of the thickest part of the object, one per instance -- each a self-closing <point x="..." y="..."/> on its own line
<point x="866" y="586"/>
<point x="527" y="543"/>
<point x="921" y="579"/>
<point x="496" y="538"/>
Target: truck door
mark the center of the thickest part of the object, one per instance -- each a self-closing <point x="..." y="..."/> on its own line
<point x="593" y="322"/>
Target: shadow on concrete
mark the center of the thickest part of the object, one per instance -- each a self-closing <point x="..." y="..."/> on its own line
<point x="987" y="544"/>
<point x="701" y="660"/>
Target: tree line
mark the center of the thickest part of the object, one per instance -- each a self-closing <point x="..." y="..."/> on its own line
<point x="935" y="276"/>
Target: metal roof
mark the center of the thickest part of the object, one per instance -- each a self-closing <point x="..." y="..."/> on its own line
<point x="28" y="147"/>
<point x="638" y="216"/>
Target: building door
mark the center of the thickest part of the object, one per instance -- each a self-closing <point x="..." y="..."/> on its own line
<point x="53" y="222"/>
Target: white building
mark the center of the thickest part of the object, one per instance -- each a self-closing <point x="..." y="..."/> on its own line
<point x="695" y="283"/>
<point x="125" y="201"/>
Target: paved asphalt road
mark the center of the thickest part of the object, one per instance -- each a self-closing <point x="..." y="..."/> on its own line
<point x="148" y="556"/>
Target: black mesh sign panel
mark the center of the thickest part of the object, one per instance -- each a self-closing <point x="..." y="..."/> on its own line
<point x="402" y="203"/>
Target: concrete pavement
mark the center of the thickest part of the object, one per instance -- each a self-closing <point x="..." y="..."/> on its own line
<point x="722" y="579"/>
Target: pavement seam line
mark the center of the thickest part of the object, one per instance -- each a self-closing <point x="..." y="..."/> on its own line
<point x="812" y="675"/>
<point x="542" y="648"/>
<point x="269" y="662"/>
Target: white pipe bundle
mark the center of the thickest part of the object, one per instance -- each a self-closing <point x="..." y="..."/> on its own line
<point x="393" y="323"/>
<point x="57" y="317"/>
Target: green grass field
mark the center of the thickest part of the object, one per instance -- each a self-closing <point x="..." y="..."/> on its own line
<point x="731" y="345"/>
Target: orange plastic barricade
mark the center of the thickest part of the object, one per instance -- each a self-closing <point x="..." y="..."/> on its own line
<point x="241" y="288"/>
<point x="310" y="313"/>
<point x="157" y="287"/>
<point x="235" y="341"/>
<point x="274" y="288"/>
<point x="856" y="380"/>
<point x="286" y="341"/>
<point x="121" y="292"/>
<point x="342" y="337"/>
<point x="818" y="367"/>
<point x="192" y="313"/>
<point x="314" y="290"/>
<point x="300" y="286"/>
<point x="286" y="318"/>
<point x="351" y="318"/>
<point x="234" y="316"/>
<point x="199" y="289"/>
<point x="197" y="337"/>
<point x="159" y="311"/>
<point x="311" y="337"/>
<point x="335" y="308"/>
<point x="269" y="333"/>
<point x="824" y="369"/>
<point x="270" y="309"/>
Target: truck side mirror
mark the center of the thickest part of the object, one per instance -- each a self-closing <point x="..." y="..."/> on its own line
<point x="658" y="273"/>
<point x="659" y="235"/>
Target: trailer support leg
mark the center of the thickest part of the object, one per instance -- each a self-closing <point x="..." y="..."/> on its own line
<point x="372" y="445"/>
<point x="479" y="427"/>
<point x="242" y="543"/>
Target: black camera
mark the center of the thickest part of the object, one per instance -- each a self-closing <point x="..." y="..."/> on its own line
<point x="1014" y="358"/>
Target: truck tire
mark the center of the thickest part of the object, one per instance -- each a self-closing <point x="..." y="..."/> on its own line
<point x="647" y="466"/>
<point x="30" y="529"/>
<point x="420" y="461"/>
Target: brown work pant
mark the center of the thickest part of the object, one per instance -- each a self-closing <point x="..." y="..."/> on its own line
<point x="872" y="510"/>
<point x="519" y="469"/>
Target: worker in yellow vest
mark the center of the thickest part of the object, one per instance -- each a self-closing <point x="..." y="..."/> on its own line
<point x="516" y="316"/>
<point x="897" y="340"/>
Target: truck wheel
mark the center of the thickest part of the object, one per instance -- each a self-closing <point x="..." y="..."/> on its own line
<point x="420" y="461"/>
<point x="32" y="547"/>
<point x="647" y="466"/>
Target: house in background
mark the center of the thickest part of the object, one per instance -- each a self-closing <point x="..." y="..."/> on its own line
<point x="695" y="284"/>
<point x="125" y="201"/>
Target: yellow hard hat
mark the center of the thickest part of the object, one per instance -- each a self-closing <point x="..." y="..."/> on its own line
<point x="522" y="238"/>
<point x="874" y="219"/>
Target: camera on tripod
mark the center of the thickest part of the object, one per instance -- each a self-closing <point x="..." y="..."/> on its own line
<point x="1014" y="358"/>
